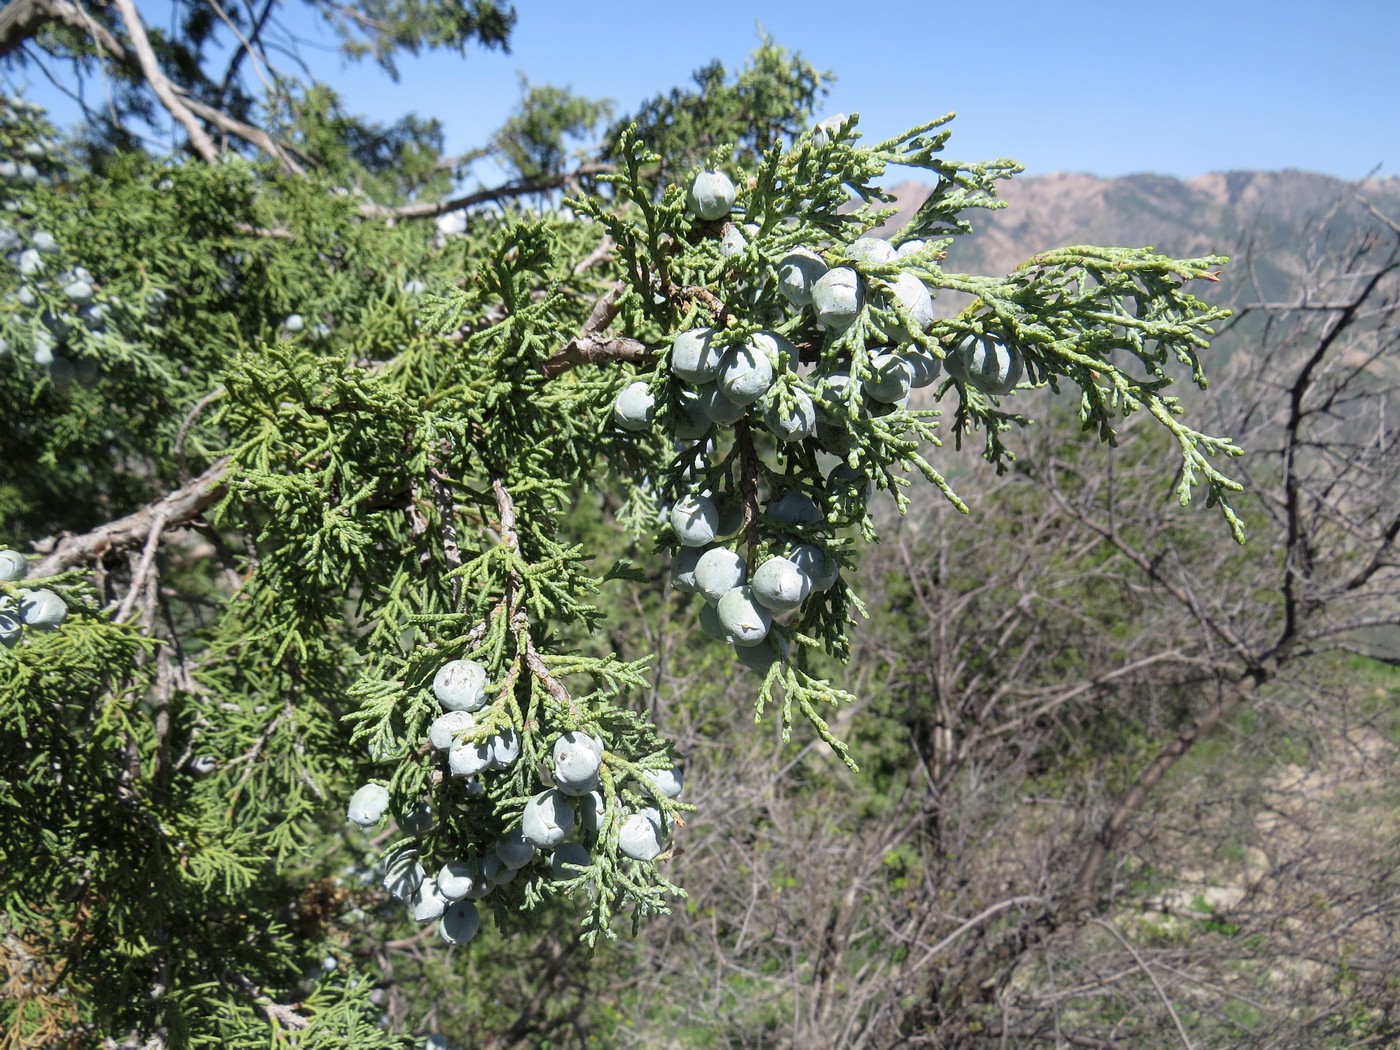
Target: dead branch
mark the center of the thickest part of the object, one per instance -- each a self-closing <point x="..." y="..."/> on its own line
<point x="160" y="84"/>
<point x="507" y="191"/>
<point x="183" y="505"/>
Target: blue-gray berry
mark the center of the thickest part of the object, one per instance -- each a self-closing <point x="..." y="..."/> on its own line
<point x="460" y="685"/>
<point x="13" y="566"/>
<point x="798" y="271"/>
<point x="639" y="837"/>
<point x="695" y="520"/>
<point x="460" y="923"/>
<point x="42" y="608"/>
<point x="635" y="407"/>
<point x="719" y="571"/>
<point x="745" y="621"/>
<point x="547" y="820"/>
<point x="711" y="195"/>
<point x="367" y="805"/>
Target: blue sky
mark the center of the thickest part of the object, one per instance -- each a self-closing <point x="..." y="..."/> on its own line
<point x="1174" y="88"/>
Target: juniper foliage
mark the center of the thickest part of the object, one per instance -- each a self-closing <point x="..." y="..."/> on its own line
<point x="289" y="459"/>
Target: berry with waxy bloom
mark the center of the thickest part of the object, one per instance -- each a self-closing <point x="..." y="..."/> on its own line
<point x="468" y="759"/>
<point x="758" y="657"/>
<point x="890" y="378"/>
<point x="443" y="734"/>
<point x="695" y="519"/>
<point x="569" y="859"/>
<point x="793" y="423"/>
<point x="683" y="564"/>
<point x="460" y="923"/>
<point x="691" y="423"/>
<point x="577" y="758"/>
<point x="745" y="621"/>
<point x="794" y="507"/>
<point x="418" y="818"/>
<point x="367" y="805"/>
<point x="717" y="406"/>
<point x="495" y="872"/>
<point x="427" y="903"/>
<point x="592" y="810"/>
<point x="779" y="585"/>
<point x="845" y="481"/>
<point x="992" y="367"/>
<point x="873" y="251"/>
<point x="732" y="241"/>
<point x="547" y="820"/>
<point x="923" y="367"/>
<point x="667" y="781"/>
<point x="460" y="685"/>
<point x="42" y="608"/>
<point x="709" y="623"/>
<point x="955" y="360"/>
<point x="711" y="195"/>
<point x="819" y="566"/>
<point x="13" y="566"/>
<point x="719" y="571"/>
<point x="640" y="837"/>
<point x="694" y="355"/>
<point x="837" y="298"/>
<point x="403" y="873"/>
<point x="746" y="372"/>
<point x="913" y="295"/>
<point x="635" y="407"/>
<point x="11" y="627"/>
<point x="798" y="271"/>
<point x="458" y="878"/>
<point x="831" y="397"/>
<point x="513" y="850"/>
<point x="504" y="749"/>
<point x="94" y="315"/>
<point x="731" y="513"/>
<point x="829" y="130"/>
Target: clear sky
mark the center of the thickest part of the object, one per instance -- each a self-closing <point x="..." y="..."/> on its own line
<point x="1177" y="88"/>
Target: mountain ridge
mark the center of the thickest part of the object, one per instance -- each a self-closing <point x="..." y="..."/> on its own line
<point x="1264" y="219"/>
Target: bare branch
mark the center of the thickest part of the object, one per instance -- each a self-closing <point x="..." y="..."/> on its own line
<point x="249" y="133"/>
<point x="248" y="46"/>
<point x="507" y="191"/>
<point x="160" y="84"/>
<point x="21" y="20"/>
<point x="588" y="348"/>
<point x="1161" y="992"/>
<point x="184" y="504"/>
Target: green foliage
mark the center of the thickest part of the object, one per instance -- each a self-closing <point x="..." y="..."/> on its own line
<point x="381" y="29"/>
<point x="768" y="101"/>
<point x="533" y="140"/>
<point x="410" y="475"/>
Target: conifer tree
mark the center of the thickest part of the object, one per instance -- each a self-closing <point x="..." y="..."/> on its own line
<point x="294" y="477"/>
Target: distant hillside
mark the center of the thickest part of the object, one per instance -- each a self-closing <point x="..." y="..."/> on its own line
<point x="1266" y="215"/>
